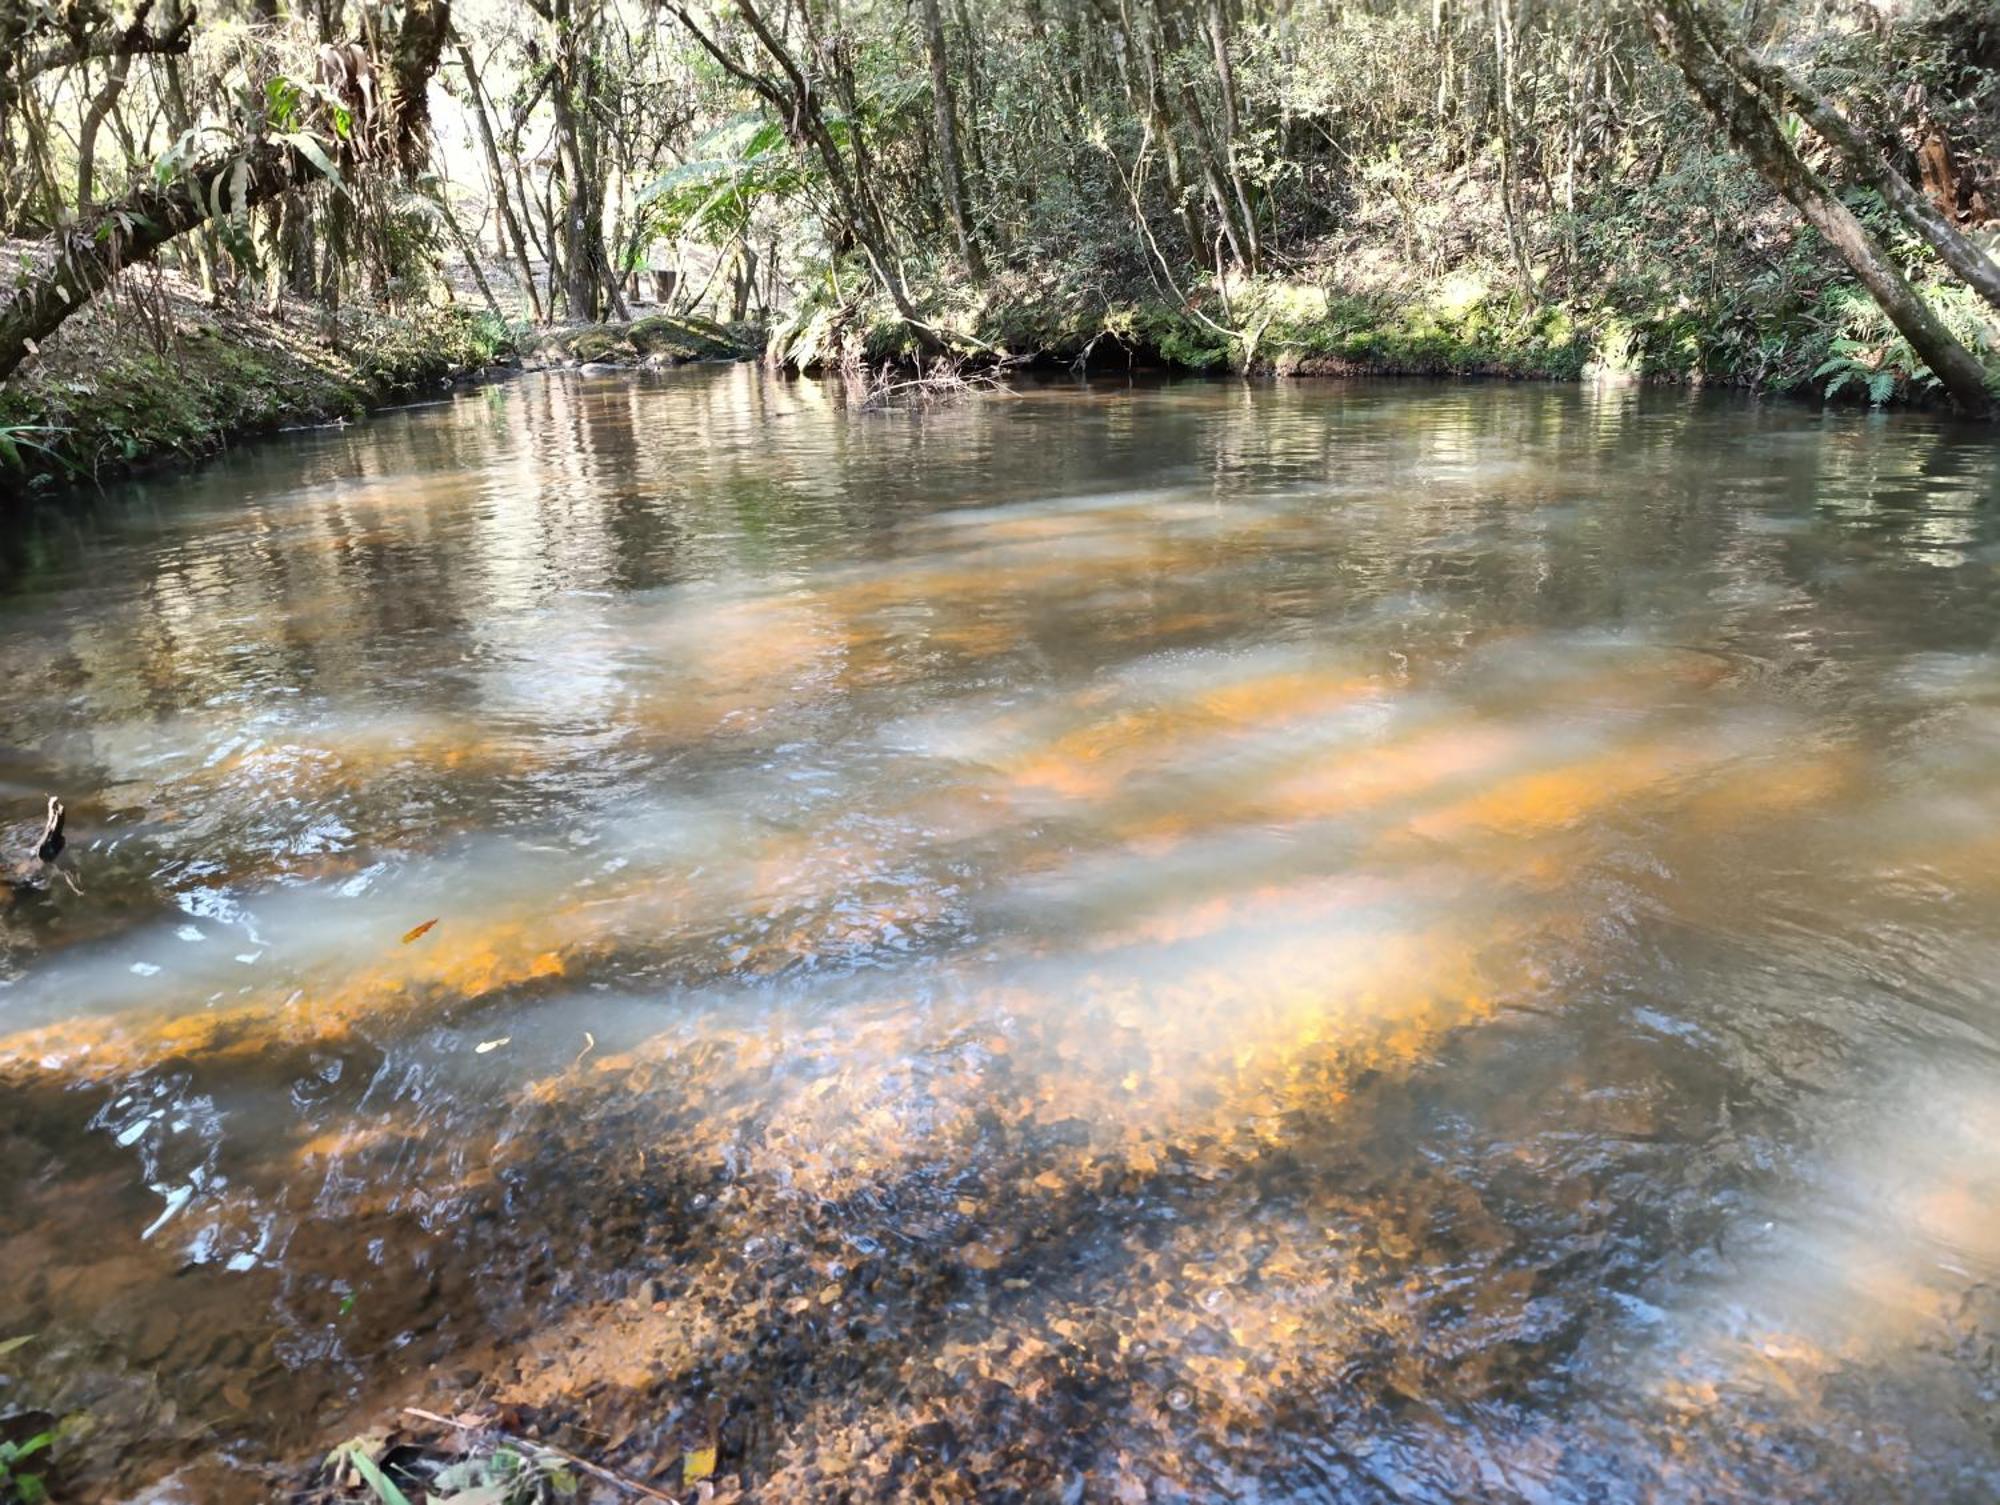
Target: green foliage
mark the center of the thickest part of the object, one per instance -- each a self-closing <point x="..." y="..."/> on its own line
<point x="357" y="1457"/>
<point x="1865" y="355"/>
<point x="14" y="438"/>
<point x="125" y="405"/>
<point x="712" y="195"/>
<point x="508" y="1475"/>
<point x="1182" y="340"/>
<point x="812" y="334"/>
<point x="1861" y="364"/>
<point x="18" y="1483"/>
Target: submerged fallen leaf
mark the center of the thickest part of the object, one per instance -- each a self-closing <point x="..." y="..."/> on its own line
<point x="237" y="1396"/>
<point x="418" y="933"/>
<point x="485" y="1045"/>
<point x="10" y="1344"/>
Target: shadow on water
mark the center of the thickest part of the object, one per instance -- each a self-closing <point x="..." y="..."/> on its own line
<point x="1346" y="942"/>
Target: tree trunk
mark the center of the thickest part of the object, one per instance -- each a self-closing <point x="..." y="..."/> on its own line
<point x="93" y="121"/>
<point x="509" y="225"/>
<point x="583" y="285"/>
<point x="974" y="139"/>
<point x="797" y="102"/>
<point x="1167" y="40"/>
<point x="412" y="62"/>
<point x="590" y="281"/>
<point x="126" y="45"/>
<point x="1746" y="117"/>
<point x="179" y="118"/>
<point x="743" y="281"/>
<point x="951" y="161"/>
<point x="1148" y="99"/>
<point x="1232" y="126"/>
<point x="1503" y="59"/>
<point x="470" y="252"/>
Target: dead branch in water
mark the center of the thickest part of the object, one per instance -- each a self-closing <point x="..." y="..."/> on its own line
<point x="944" y="379"/>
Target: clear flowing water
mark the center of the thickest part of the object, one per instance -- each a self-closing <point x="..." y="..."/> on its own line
<point x="1314" y="942"/>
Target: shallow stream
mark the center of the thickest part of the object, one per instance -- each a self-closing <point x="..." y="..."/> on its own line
<point x="1313" y="942"/>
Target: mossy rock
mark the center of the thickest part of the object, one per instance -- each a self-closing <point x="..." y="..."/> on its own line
<point x="681" y="339"/>
<point x="594" y="346"/>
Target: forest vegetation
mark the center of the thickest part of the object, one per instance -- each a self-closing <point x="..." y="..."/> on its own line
<point x="1264" y="936"/>
<point x="304" y="207"/>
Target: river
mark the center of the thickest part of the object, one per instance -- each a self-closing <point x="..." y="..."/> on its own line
<point x="1166" y="942"/>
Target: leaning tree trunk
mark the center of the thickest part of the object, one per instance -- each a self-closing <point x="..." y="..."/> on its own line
<point x="1957" y="251"/>
<point x="796" y="101"/>
<point x="82" y="261"/>
<point x="1749" y="122"/>
<point x="85" y="259"/>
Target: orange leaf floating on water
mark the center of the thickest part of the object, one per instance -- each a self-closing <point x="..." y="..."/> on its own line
<point x="419" y="932"/>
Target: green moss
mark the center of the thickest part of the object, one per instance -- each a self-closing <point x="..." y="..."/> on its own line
<point x="601" y="344"/>
<point x="1184" y="341"/>
<point x="674" y="339"/>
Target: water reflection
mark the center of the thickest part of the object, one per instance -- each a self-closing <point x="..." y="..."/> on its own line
<point x="1349" y="942"/>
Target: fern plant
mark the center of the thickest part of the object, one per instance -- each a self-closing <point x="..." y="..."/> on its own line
<point x="1857" y="362"/>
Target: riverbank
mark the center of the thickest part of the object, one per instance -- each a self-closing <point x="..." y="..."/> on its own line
<point x="1631" y="289"/>
<point x="1825" y="343"/>
<point x="162" y="377"/>
<point x="124" y="388"/>
<point x="153" y="374"/>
